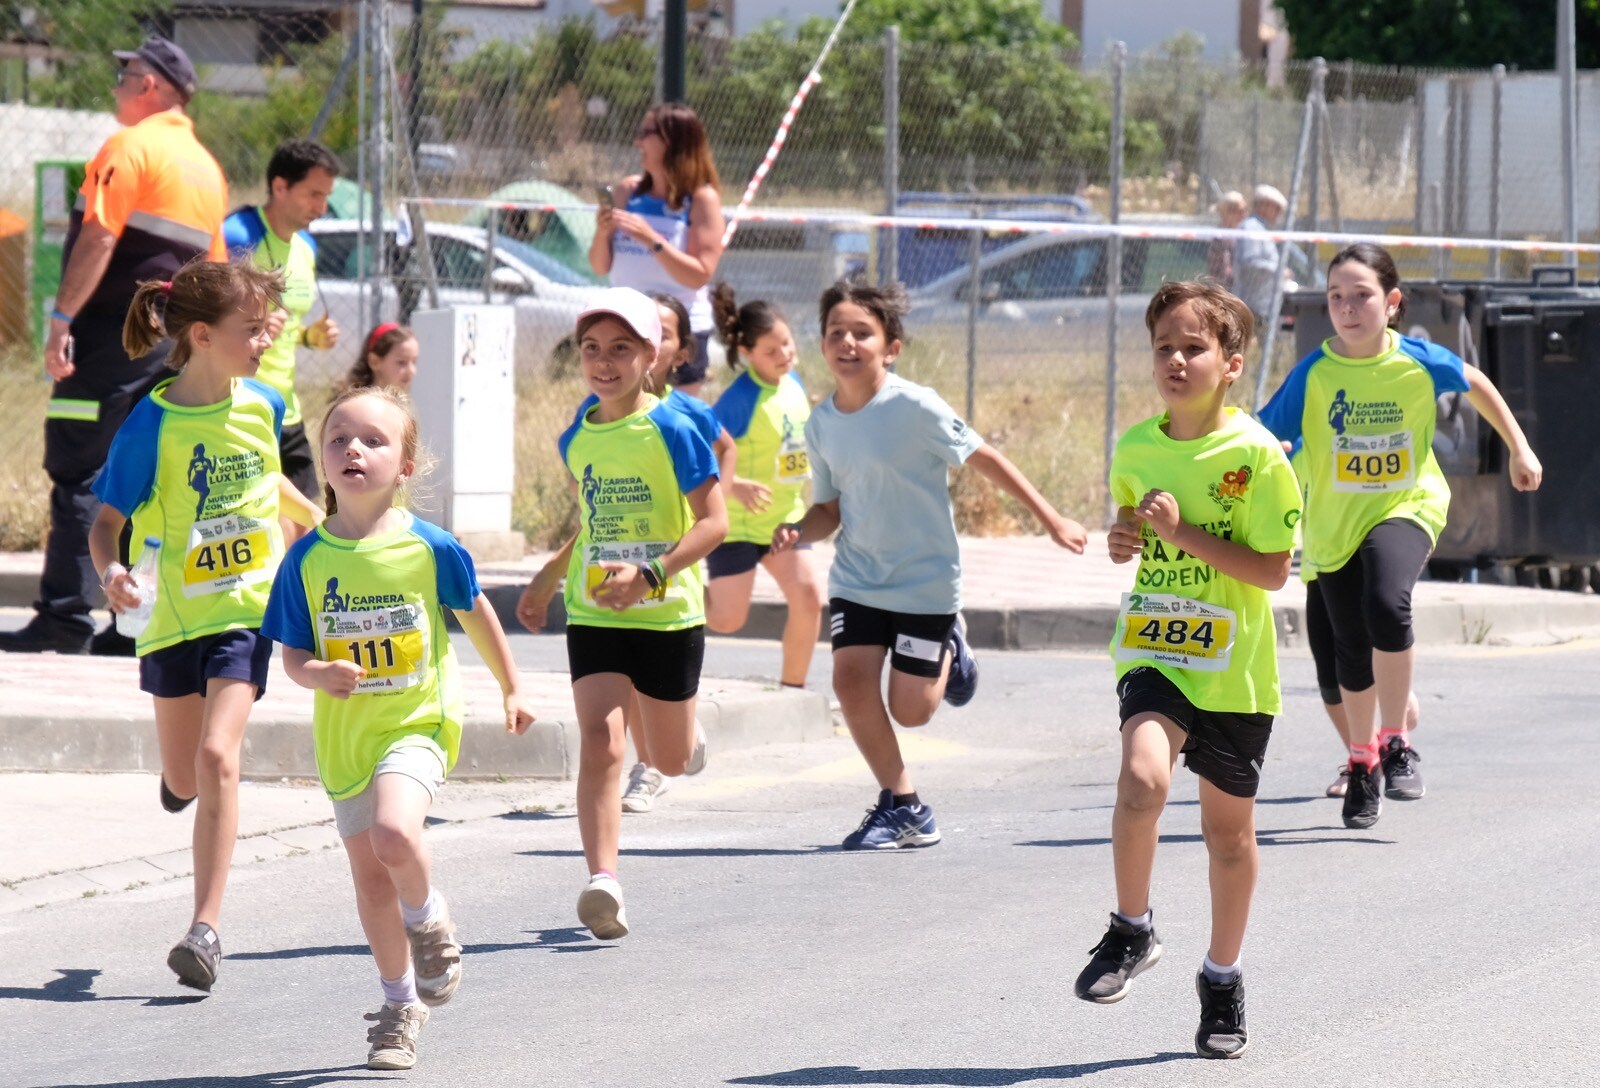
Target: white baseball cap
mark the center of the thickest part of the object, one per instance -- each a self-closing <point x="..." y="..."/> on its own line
<point x="633" y="308"/>
<point x="1270" y="195"/>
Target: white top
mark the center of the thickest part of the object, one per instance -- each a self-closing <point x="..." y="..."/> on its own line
<point x="634" y="264"/>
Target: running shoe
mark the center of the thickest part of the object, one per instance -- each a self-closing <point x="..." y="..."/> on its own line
<point x="1363" y="802"/>
<point x="697" y="758"/>
<point x="1222" y="1032"/>
<point x="436" y="957"/>
<point x="1123" y="953"/>
<point x="1341" y="784"/>
<point x="195" y="958"/>
<point x="888" y="826"/>
<point x="1402" y="779"/>
<point x="963" y="681"/>
<point x="600" y="908"/>
<point x="645" y="784"/>
<point x="393" y="1035"/>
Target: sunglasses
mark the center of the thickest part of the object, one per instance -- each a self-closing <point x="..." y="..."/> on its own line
<point x="127" y="74"/>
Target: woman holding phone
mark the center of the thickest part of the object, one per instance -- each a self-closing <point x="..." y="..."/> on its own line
<point x="660" y="230"/>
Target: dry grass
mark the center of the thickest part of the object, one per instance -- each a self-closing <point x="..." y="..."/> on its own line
<point x="24" y="488"/>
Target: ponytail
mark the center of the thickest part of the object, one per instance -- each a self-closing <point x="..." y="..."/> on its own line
<point x="143" y="329"/>
<point x="742" y="326"/>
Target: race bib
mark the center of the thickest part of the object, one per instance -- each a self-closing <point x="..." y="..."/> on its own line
<point x="594" y="575"/>
<point x="226" y="552"/>
<point x="1175" y="631"/>
<point x="389" y="643"/>
<point x="1379" y="462"/>
<point x="793" y="463"/>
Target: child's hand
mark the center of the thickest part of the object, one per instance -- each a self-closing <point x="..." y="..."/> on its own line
<point x="1161" y="510"/>
<point x="122" y="590"/>
<point x="623" y="588"/>
<point x="785" y="537"/>
<point x="533" y="607"/>
<point x="1068" y="534"/>
<point x="753" y="496"/>
<point x="519" y="714"/>
<point x="339" y="678"/>
<point x="1526" y="471"/>
<point x="1125" y="541"/>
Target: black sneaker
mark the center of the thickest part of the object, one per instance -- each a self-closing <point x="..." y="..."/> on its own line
<point x="1125" y="951"/>
<point x="963" y="681"/>
<point x="1363" y="801"/>
<point x="112" y="643"/>
<point x="1222" y="1033"/>
<point x="1401" y="778"/>
<point x="42" y="635"/>
<point x="195" y="958"/>
<point x="171" y="801"/>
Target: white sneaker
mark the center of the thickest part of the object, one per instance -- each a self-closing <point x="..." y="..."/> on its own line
<point x="600" y="908"/>
<point x="1341" y="785"/>
<point x="697" y="759"/>
<point x="645" y="784"/>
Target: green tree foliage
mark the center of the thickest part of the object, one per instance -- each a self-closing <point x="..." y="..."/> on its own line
<point x="1439" y="33"/>
<point x="89" y="29"/>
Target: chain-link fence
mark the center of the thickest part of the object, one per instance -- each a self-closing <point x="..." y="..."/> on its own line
<point x="508" y="105"/>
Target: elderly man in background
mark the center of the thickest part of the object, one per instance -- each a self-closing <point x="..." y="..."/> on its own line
<point x="152" y="200"/>
<point x="1255" y="260"/>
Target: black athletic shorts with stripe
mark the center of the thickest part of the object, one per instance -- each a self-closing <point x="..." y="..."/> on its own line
<point x="1223" y="748"/>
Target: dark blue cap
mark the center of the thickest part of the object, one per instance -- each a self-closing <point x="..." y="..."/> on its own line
<point x="167" y="60"/>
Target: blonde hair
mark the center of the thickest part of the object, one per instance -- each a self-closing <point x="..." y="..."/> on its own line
<point x="200" y="293"/>
<point x="411" y="448"/>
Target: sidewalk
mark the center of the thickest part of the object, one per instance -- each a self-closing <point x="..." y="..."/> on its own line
<point x="1024" y="593"/>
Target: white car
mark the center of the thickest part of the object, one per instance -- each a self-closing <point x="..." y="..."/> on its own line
<point x="547" y="295"/>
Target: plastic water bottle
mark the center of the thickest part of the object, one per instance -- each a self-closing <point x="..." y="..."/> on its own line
<point x="145" y="578"/>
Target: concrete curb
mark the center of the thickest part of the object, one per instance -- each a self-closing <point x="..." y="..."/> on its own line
<point x="281" y="747"/>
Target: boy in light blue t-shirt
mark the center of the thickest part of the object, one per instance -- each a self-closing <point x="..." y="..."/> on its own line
<point x="881" y="449"/>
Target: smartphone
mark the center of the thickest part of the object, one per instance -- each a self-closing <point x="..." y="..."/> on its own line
<point x="608" y="203"/>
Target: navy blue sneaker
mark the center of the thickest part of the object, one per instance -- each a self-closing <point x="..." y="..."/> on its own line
<point x="888" y="826"/>
<point x="963" y="682"/>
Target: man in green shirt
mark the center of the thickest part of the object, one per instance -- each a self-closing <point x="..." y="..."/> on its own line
<point x="300" y="177"/>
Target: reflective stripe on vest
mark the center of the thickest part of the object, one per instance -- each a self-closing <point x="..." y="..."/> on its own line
<point x="82" y="411"/>
<point x="170" y="229"/>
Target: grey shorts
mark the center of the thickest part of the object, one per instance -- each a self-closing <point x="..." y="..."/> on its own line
<point x="418" y="758"/>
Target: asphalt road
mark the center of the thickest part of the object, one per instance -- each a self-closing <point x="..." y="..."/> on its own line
<point x="1452" y="943"/>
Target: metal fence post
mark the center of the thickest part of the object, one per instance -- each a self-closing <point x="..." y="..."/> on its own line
<point x="1495" y="136"/>
<point x="380" y="141"/>
<point x="1119" y="61"/>
<point x="1255" y="141"/>
<point x="1567" y="65"/>
<point x="363" y="149"/>
<point x="889" y="238"/>
<point x="1269" y="337"/>
<point x="974" y="293"/>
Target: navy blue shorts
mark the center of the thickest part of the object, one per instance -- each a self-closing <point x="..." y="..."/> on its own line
<point x="184" y="668"/>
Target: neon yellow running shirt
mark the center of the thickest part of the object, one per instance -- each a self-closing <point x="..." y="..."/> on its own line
<point x="1210" y="634"/>
<point x="204" y="481"/>
<point x="380" y="603"/>
<point x="768" y="425"/>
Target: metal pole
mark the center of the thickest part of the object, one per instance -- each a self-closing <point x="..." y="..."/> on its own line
<point x="1269" y="337"/>
<point x="1436" y="218"/>
<point x="1255" y="142"/>
<point x="1315" y="209"/>
<point x="1495" y="136"/>
<point x="380" y="143"/>
<point x="675" y="51"/>
<point x="974" y="291"/>
<point x="1202" y="192"/>
<point x="414" y="94"/>
<point x="1420" y="131"/>
<point x="488" y="265"/>
<point x="1119" y="62"/>
<point x="1327" y="159"/>
<point x="1567" y="65"/>
<point x="363" y="150"/>
<point x="336" y="88"/>
<point x="889" y="239"/>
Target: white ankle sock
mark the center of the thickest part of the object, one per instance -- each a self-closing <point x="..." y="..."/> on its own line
<point x="420" y="916"/>
<point x="402" y="990"/>
<point x="1216" y="972"/>
<point x="1138" y="921"/>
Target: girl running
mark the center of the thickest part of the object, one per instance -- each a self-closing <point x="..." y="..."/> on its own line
<point x="388" y="359"/>
<point x="195" y="467"/>
<point x="651" y="510"/>
<point x="765" y="410"/>
<point x="881" y="450"/>
<point x="646" y="783"/>
<point x="1363" y="403"/>
<point x="389" y="704"/>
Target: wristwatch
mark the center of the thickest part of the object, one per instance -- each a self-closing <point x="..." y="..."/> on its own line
<point x="658" y="247"/>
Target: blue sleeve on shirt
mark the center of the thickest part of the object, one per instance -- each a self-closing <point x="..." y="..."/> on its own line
<point x="1284" y="414"/>
<point x="458" y="578"/>
<point x="692" y="459"/>
<point x="737" y="405"/>
<point x="572" y="429"/>
<point x="699" y="412"/>
<point x="1445" y="367"/>
<point x="288" y="618"/>
<point x="242" y="231"/>
<point x="273" y="398"/>
<point x="129" y="475"/>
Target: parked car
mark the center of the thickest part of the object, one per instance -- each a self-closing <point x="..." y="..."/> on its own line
<point x="1054" y="281"/>
<point x="927" y="253"/>
<point x="792" y="263"/>
<point x="547" y="295"/>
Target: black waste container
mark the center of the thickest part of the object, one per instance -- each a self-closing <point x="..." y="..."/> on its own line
<point x="1539" y="342"/>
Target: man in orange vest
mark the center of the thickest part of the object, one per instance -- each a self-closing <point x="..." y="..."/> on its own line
<point x="153" y="200"/>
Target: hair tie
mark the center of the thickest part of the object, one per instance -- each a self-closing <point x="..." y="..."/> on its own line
<point x="380" y="332"/>
<point x="166" y="288"/>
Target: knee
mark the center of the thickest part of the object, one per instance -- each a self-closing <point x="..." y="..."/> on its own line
<point x="599" y="743"/>
<point x="1389" y="622"/>
<point x="216" y="763"/>
<point x="1229" y="845"/>
<point x="394" y="845"/>
<point x="1142" y="790"/>
<point x="854" y="682"/>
